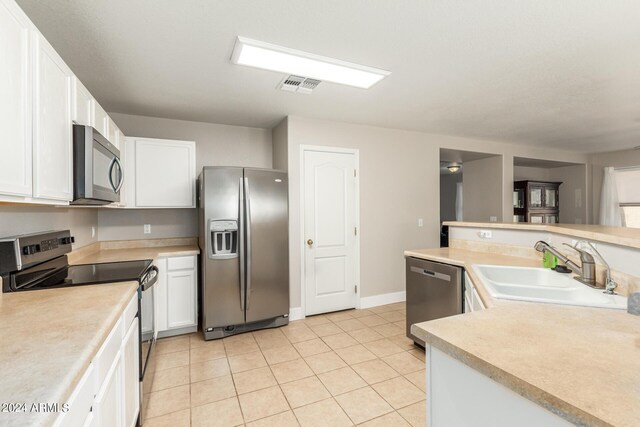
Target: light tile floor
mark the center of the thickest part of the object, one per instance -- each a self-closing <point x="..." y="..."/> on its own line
<point x="352" y="367"/>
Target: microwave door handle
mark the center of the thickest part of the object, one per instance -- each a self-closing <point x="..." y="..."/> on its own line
<point x="117" y="160"/>
<point x="113" y="163"/>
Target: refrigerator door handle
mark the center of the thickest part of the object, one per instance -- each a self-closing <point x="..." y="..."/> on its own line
<point x="247" y="209"/>
<point x="241" y="247"/>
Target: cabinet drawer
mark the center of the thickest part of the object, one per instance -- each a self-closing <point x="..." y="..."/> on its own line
<point x="130" y="312"/>
<point x="107" y="353"/>
<point x="80" y="401"/>
<point x="181" y="263"/>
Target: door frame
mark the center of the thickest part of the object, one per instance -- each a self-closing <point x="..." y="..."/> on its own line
<point x="327" y="149"/>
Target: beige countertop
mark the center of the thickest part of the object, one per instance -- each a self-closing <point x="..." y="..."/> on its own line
<point x="581" y="363"/>
<point x="48" y="338"/>
<point x="622" y="236"/>
<point x="132" y="254"/>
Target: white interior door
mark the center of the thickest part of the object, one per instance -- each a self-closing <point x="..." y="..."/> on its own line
<point x="330" y="233"/>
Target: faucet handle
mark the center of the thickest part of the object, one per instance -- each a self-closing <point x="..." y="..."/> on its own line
<point x="584" y="255"/>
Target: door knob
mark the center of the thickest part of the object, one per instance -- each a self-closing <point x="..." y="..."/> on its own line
<point x="309" y="242"/>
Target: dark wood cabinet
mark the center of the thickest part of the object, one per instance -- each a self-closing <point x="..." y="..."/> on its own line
<point x="536" y="202"/>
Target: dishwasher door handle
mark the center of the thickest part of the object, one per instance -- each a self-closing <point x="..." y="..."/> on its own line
<point x="430" y="273"/>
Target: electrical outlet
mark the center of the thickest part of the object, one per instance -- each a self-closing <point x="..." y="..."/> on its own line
<point x="93" y="232"/>
<point x="147" y="229"/>
<point x="493" y="219"/>
<point x="420" y="222"/>
<point x="485" y="234"/>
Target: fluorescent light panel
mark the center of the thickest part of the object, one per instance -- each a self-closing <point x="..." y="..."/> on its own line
<point x="254" y="53"/>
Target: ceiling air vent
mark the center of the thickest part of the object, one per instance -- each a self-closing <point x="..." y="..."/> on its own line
<point x="298" y="84"/>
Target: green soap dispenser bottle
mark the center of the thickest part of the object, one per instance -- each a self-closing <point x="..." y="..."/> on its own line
<point x="549" y="260"/>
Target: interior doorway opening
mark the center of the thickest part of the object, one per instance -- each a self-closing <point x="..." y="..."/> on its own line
<point x="549" y="191"/>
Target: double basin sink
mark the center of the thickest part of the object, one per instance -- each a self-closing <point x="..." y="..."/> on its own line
<point x="543" y="285"/>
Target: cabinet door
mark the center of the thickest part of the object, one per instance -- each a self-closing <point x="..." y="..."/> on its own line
<point x="100" y="119"/>
<point x="160" y="296"/>
<point x="52" y="124"/>
<point x="164" y="173"/>
<point x="536" y="218"/>
<point x="181" y="298"/>
<point x="82" y="104"/>
<point x="113" y="133"/>
<point x="15" y="101"/>
<point x="551" y="197"/>
<point x="108" y="403"/>
<point x="536" y="195"/>
<point x="551" y="218"/>
<point x="131" y="375"/>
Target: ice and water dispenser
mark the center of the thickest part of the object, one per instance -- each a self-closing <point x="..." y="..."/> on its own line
<point x="223" y="235"/>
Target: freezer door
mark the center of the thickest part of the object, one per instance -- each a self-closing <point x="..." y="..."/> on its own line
<point x="222" y="291"/>
<point x="267" y="244"/>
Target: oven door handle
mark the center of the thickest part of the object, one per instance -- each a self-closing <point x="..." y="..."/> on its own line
<point x="146" y="282"/>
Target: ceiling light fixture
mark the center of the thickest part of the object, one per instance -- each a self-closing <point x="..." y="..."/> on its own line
<point x="453" y="168"/>
<point x="254" y="53"/>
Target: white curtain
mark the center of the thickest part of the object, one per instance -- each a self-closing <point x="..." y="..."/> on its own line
<point x="610" y="212"/>
<point x="458" y="201"/>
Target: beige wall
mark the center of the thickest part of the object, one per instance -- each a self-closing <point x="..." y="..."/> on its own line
<point x="25" y="219"/>
<point x="574" y="196"/>
<point x="448" y="183"/>
<point x="216" y="145"/>
<point x="398" y="184"/>
<point x="523" y="173"/>
<point x="482" y="199"/>
<point x="598" y="162"/>
<point x="280" y="138"/>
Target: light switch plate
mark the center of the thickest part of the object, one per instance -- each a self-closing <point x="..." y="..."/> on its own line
<point x="420" y="222"/>
<point x="147" y="229"/>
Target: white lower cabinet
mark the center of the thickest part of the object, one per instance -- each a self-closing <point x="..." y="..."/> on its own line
<point x="460" y="396"/>
<point x="108" y="403"/>
<point x="472" y="301"/>
<point x="108" y="394"/>
<point x="176" y="304"/>
<point x="130" y="378"/>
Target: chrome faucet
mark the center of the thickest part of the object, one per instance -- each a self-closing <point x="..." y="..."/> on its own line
<point x="587" y="270"/>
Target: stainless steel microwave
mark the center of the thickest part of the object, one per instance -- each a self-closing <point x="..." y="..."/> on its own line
<point x="97" y="171"/>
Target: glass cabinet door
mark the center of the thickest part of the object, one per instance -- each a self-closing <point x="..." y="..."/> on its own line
<point x="550" y="198"/>
<point x="535" y="197"/>
<point x="518" y="198"/>
<point x="551" y="219"/>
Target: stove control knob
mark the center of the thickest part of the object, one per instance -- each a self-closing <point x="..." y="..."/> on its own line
<point x="31" y="249"/>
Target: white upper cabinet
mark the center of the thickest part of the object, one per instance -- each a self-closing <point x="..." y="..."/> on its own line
<point x="52" y="138"/>
<point x="81" y="113"/>
<point x="113" y="133"/>
<point x="162" y="173"/>
<point x="100" y="119"/>
<point x="16" y="101"/>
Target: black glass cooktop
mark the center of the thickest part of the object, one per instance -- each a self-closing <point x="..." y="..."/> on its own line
<point x="57" y="276"/>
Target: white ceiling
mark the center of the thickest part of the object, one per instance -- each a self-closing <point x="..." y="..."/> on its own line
<point x="562" y="74"/>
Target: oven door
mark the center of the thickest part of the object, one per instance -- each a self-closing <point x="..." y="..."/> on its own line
<point x="148" y="335"/>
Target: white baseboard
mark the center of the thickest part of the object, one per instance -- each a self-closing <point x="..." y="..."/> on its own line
<point x="376" y="300"/>
<point x="295" y="313"/>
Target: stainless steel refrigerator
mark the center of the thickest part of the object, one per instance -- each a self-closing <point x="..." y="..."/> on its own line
<point x="244" y="243"/>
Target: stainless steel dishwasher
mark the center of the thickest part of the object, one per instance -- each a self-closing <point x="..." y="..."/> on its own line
<point x="434" y="290"/>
